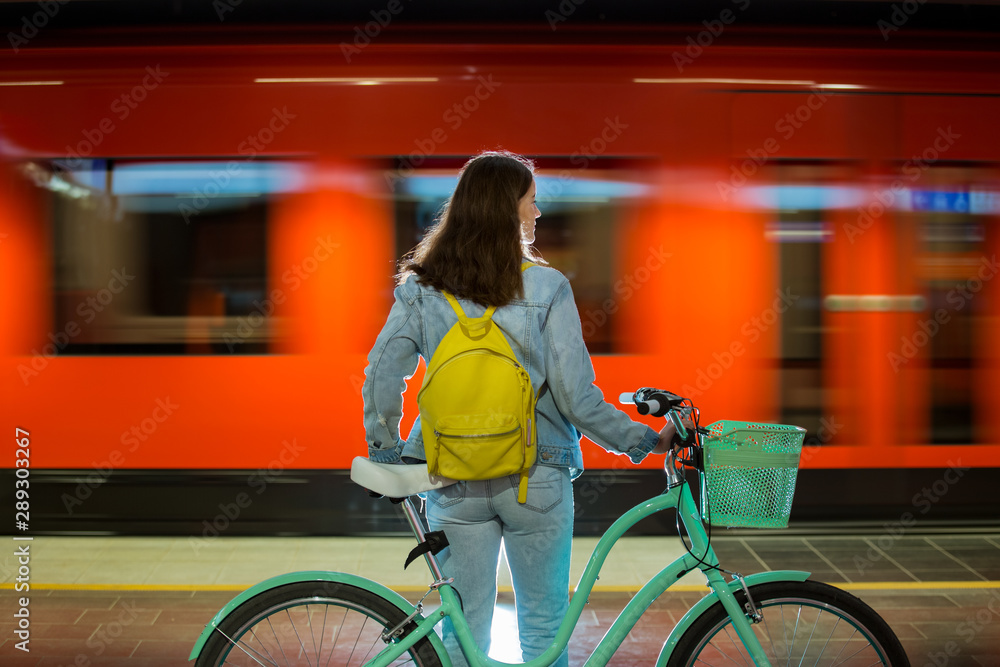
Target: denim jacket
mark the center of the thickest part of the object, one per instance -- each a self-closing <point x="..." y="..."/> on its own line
<point x="545" y="334"/>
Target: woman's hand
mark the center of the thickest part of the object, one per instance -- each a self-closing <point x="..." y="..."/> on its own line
<point x="667" y="435"/>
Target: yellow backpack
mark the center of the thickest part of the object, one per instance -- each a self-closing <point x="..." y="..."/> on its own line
<point x="477" y="405"/>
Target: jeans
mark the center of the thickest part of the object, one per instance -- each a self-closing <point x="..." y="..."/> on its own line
<point x="537" y="538"/>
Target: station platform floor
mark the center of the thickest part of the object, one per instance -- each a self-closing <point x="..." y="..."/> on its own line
<point x="142" y="602"/>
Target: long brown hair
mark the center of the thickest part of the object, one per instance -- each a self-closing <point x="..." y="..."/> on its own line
<point x="475" y="248"/>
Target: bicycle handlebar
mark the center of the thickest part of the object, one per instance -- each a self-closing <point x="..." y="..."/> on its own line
<point x="660" y="403"/>
<point x="651" y="406"/>
<point x="649" y="401"/>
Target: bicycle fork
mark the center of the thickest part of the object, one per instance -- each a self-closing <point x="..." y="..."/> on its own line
<point x="743" y="619"/>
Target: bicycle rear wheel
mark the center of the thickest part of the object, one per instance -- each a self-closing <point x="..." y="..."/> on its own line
<point x="805" y="623"/>
<point x="309" y="624"/>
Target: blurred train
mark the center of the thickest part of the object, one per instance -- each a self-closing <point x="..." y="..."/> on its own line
<point x="197" y="249"/>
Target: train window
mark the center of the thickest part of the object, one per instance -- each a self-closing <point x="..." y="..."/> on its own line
<point x="799" y="228"/>
<point x="951" y="222"/>
<point x="575" y="234"/>
<point x="161" y="257"/>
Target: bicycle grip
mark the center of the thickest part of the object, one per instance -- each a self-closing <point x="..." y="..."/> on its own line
<point x="651" y="407"/>
<point x="625" y="398"/>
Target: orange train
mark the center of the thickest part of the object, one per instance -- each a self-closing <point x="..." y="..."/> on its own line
<point x="197" y="243"/>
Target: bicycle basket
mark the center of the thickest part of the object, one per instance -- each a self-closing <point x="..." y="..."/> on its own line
<point x="750" y="471"/>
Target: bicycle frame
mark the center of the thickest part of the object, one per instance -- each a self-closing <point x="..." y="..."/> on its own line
<point x="678" y="496"/>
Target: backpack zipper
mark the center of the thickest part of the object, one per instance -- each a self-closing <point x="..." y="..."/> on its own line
<point x="486" y="435"/>
<point x="513" y="362"/>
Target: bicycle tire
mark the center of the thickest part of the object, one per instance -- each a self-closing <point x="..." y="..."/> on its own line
<point x="826" y="626"/>
<point x="278" y="627"/>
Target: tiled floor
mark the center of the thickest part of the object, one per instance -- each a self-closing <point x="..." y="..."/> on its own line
<point x="143" y="601"/>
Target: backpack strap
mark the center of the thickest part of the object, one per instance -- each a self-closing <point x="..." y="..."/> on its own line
<point x="476" y="325"/>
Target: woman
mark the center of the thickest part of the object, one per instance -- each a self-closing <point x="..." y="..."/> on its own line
<point x="475" y="252"/>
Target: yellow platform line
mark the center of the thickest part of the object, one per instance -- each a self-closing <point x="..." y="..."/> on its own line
<point x="132" y="587"/>
<point x="916" y="585"/>
<point x="681" y="588"/>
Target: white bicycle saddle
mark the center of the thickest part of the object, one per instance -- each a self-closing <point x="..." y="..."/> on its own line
<point x="394" y="480"/>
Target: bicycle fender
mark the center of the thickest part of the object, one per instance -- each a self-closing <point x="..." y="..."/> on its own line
<point x="703" y="604"/>
<point x="316" y="575"/>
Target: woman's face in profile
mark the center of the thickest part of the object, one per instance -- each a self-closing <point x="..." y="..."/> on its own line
<point x="527" y="211"/>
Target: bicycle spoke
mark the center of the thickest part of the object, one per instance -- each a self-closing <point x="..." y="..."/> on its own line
<point x="312" y="632"/>
<point x="278" y="642"/>
<point x="836" y="658"/>
<point x="359" y="642"/>
<point x="809" y="641"/>
<point x="740" y="650"/>
<point x="240" y="646"/>
<point x="795" y="635"/>
<point x="374" y="648"/>
<point x="767" y="632"/>
<point x="336" y="636"/>
<point x="356" y="640"/>
<point x="322" y="636"/>
<point x="258" y="640"/>
<point x="823" y="652"/>
<point x="302" y="647"/>
<point x="368" y="655"/>
<point x="737" y="645"/>
<point x="856" y="652"/>
<point x="803" y="625"/>
<point x="784" y="632"/>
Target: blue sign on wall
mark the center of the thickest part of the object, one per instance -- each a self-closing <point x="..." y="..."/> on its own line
<point x="944" y="202"/>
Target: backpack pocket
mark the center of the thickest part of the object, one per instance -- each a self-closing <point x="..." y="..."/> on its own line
<point x="477" y="447"/>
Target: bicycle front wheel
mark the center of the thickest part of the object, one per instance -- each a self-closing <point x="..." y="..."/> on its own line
<point x="309" y="624"/>
<point x="804" y="623"/>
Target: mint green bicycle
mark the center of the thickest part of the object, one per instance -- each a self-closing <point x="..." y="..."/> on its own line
<point x="747" y="474"/>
